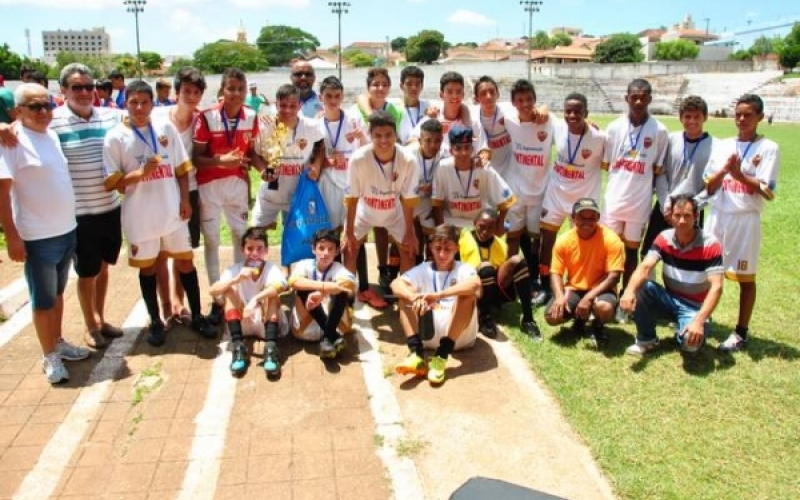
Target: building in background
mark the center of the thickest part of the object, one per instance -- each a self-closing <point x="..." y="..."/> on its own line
<point x="93" y="42"/>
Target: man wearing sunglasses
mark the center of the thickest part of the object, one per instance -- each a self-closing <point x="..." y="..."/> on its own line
<point x="303" y="79"/>
<point x="42" y="235"/>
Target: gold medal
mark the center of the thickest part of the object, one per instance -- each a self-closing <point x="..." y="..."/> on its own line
<point x="157" y="158"/>
<point x="632" y="153"/>
<point x="570" y="167"/>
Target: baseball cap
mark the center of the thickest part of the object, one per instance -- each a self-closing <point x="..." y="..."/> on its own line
<point x="460" y="135"/>
<point x="253" y="85"/>
<point x="585" y="204"/>
<point x="6" y="105"/>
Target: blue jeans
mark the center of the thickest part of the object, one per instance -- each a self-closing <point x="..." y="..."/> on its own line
<point x="653" y="302"/>
<point x="47" y="268"/>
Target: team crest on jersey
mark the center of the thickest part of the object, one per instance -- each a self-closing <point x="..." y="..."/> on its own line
<point x="134" y="250"/>
<point x="312" y="207"/>
<point x="586" y="153"/>
<point x="247" y="136"/>
<point x="394" y="176"/>
<point x="452" y="281"/>
<point x="302" y="143"/>
<point x="648" y="142"/>
<point x="162" y="139"/>
<point x="541" y="135"/>
<point x="756" y="160"/>
<point x="476" y="184"/>
<point x="502" y="120"/>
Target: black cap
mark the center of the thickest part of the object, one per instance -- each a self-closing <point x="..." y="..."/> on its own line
<point x="585" y="204"/>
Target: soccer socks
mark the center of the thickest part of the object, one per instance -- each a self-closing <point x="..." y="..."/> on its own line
<point x="446" y="346"/>
<point x="414" y="344"/>
<point x="361" y="270"/>
<point x="522" y="285"/>
<point x="530" y="250"/>
<point x="149" y="289"/>
<point x="192" y="287"/>
<point x="337" y="309"/>
<point x="234" y="321"/>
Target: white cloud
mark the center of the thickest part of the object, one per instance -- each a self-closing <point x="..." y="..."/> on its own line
<point x="462" y="16"/>
<point x="289" y="4"/>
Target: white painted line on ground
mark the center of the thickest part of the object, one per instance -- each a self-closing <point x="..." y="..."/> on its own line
<point x="45" y="475"/>
<point x="13" y="297"/>
<point x="202" y="473"/>
<point x="407" y="482"/>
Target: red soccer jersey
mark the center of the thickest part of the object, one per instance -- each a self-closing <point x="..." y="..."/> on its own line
<point x="211" y="129"/>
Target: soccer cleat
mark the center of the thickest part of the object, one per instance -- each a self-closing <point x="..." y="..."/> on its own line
<point x="369" y="296"/>
<point x="578" y="328"/>
<point x="157" y="335"/>
<point x="71" y="352"/>
<point x="641" y="347"/>
<point x="733" y="343"/>
<point x="204" y="327"/>
<point x="54" y="368"/>
<point x="541" y="298"/>
<point x="240" y="358"/>
<point x="412" y="365"/>
<point x="487" y="326"/>
<point x="598" y="335"/>
<point x="216" y="314"/>
<point x="531" y="329"/>
<point x="272" y="365"/>
<point x="326" y="349"/>
<point x="436" y="369"/>
<point x="339" y="345"/>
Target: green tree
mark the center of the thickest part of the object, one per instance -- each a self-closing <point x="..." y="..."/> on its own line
<point x="762" y="46"/>
<point x="540" y="41"/>
<point x="362" y="60"/>
<point x="472" y="45"/>
<point x="676" y="50"/>
<point x="10" y="62"/>
<point x="399" y="44"/>
<point x="561" y="40"/>
<point x="790" y="50"/>
<point x="619" y="48"/>
<point x="280" y="44"/>
<point x="216" y="57"/>
<point x="740" y="55"/>
<point x="151" y="61"/>
<point x="425" y="47"/>
<point x="179" y="63"/>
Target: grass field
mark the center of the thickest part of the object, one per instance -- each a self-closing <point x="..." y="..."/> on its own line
<point x="713" y="427"/>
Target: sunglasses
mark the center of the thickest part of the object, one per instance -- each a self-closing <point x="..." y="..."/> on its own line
<point x="38" y="106"/>
<point x="78" y="88"/>
<point x="301" y="74"/>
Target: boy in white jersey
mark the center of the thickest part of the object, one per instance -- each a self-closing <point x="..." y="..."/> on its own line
<point x="437" y="307"/>
<point x="382" y="183"/>
<point x="142" y="158"/>
<point x="250" y="290"/>
<point x="741" y="175"/>
<point x="461" y="189"/>
<point x="576" y="174"/>
<point x="527" y="172"/>
<point x="412" y="80"/>
<point x="489" y="117"/>
<point x="428" y="157"/>
<point x="301" y="146"/>
<point x="635" y="151"/>
<point x="323" y="289"/>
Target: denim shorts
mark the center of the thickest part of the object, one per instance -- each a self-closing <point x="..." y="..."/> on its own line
<point x="47" y="266"/>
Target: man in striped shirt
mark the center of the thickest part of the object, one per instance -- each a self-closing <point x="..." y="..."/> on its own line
<point x="692" y="274"/>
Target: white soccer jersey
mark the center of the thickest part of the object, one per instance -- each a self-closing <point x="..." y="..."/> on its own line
<point x="634" y="155"/>
<point x="427" y="172"/>
<point x="530" y="159"/>
<point x="478" y="138"/>
<point x="760" y="159"/>
<point x="270" y="276"/>
<point x="336" y="273"/>
<point x="297" y="148"/>
<point x="340" y="144"/>
<point x="151" y="207"/>
<point x="462" y="194"/>
<point x="412" y="116"/>
<point x="577" y="170"/>
<point x="493" y="128"/>
<point x="379" y="187"/>
<point x="187" y="138"/>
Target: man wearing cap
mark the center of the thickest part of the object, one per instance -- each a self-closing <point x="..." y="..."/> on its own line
<point x="118" y="84"/>
<point x="303" y="79"/>
<point x="460" y="188"/>
<point x="692" y="273"/>
<point x="587" y="263"/>
<point x="254" y="100"/>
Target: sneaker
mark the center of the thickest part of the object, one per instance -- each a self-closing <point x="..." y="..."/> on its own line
<point x="369" y="296"/>
<point x="412" y="365"/>
<point x="641" y="347"/>
<point x="487" y="326"/>
<point x="541" y="298"/>
<point x="215" y="314"/>
<point x="531" y="329"/>
<point x="436" y="367"/>
<point x="157" y="335"/>
<point x="598" y="335"/>
<point x="240" y="358"/>
<point x="203" y="326"/>
<point x="733" y="343"/>
<point x="54" y="368"/>
<point x="326" y="349"/>
<point x="339" y="345"/>
<point x="272" y="365"/>
<point x="71" y="352"/>
<point x="621" y="316"/>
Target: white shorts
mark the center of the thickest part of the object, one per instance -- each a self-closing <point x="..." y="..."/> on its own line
<point x="630" y="232"/>
<point x="333" y="196"/>
<point x="740" y="236"/>
<point x="309" y="330"/>
<point x="177" y="244"/>
<point x="556" y="210"/>
<point x="441" y="320"/>
<point x="254" y="327"/>
<point x="422" y="212"/>
<point x="525" y="217"/>
<point x="228" y="195"/>
<point x="393" y="223"/>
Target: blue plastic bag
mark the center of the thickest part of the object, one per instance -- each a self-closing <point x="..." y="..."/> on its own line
<point x="307" y="215"/>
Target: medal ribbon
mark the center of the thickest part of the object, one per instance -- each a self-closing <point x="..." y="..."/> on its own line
<point x="572" y="154"/>
<point x="154" y="147"/>
<point x="746" y="150"/>
<point x="324" y="275"/>
<point x="334" y="142"/>
<point x="230" y="136"/>
<point x="446" y="278"/>
<point x="687" y="159"/>
<point x="494" y="121"/>
<point x="635" y="145"/>
<point x="425" y="177"/>
<point x="469" y="181"/>
<point x="411" y="115"/>
<point x="381" y="164"/>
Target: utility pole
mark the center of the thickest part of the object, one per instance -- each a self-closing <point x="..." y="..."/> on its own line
<point x="530" y="6"/>
<point x="707" y="20"/>
<point x="339" y="8"/>
<point x="136" y="6"/>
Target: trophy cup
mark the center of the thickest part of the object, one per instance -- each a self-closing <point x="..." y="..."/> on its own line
<point x="272" y="152"/>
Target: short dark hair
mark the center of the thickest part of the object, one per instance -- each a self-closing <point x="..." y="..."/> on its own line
<point x="189" y="74"/>
<point x="412" y="72"/>
<point x="445" y="232"/>
<point x="286" y="90"/>
<point x="381" y="118"/>
<point x="753" y="100"/>
<point x="39" y="77"/>
<point x="374" y="73"/>
<point x="521" y="86"/>
<point x="432" y="126"/>
<point x="450" y="77"/>
<point x="255" y="233"/>
<point x="138" y="86"/>
<point x="327" y="235"/>
<point x="330" y="83"/>
<point x="115" y="74"/>
<point x="640" y="84"/>
<point x="693" y="103"/>
<point x="103" y="84"/>
<point x="232" y="72"/>
<point x="577" y="96"/>
<point x="682" y="199"/>
<point x="481" y="81"/>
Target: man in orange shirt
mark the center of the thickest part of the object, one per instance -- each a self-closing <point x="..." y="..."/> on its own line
<point x="587" y="263"/>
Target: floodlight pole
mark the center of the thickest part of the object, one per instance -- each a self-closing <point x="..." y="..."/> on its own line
<point x="530" y="7"/>
<point x="136" y="6"/>
<point x="339" y="8"/>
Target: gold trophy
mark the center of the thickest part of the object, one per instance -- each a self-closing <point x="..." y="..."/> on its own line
<point x="272" y="152"/>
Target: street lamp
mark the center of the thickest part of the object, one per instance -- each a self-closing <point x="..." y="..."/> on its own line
<point x="339" y="8"/>
<point x="136" y="6"/>
<point x="530" y="7"/>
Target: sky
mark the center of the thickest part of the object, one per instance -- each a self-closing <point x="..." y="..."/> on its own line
<point x="179" y="27"/>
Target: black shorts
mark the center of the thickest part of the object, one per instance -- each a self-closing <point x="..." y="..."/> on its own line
<point x="99" y="240"/>
<point x="575" y="296"/>
<point x="194" y="220"/>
